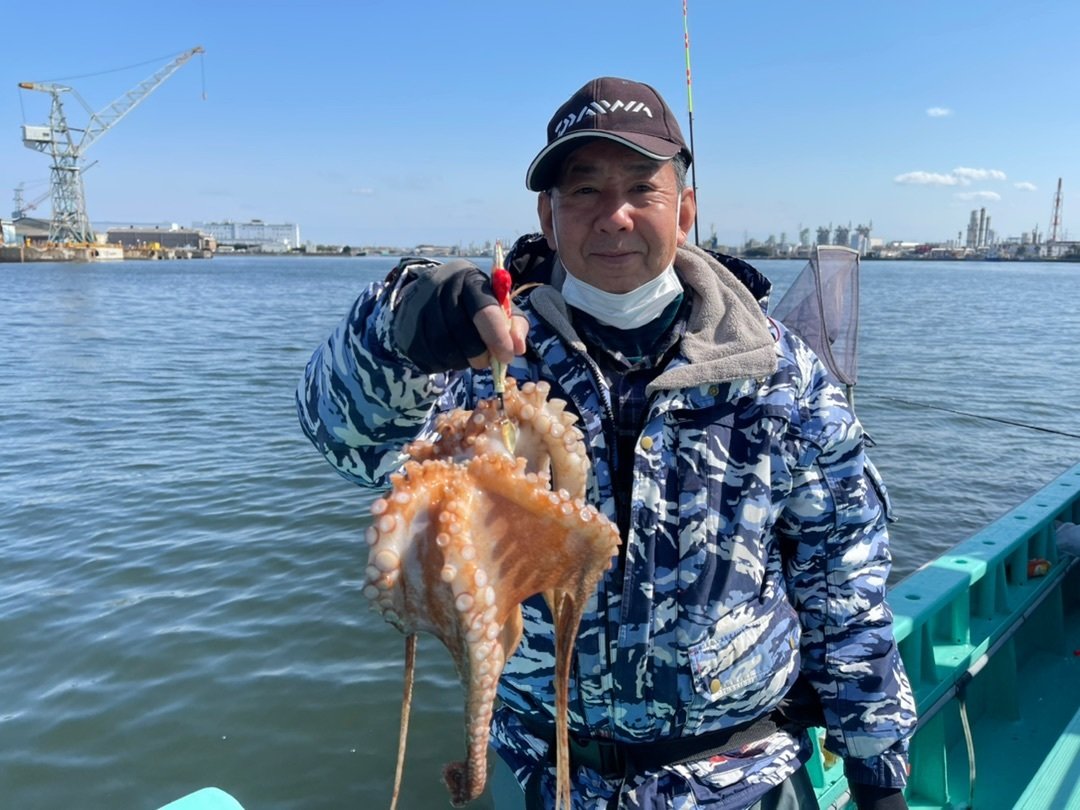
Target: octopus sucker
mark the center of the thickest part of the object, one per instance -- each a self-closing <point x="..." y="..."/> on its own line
<point x="464" y="602"/>
<point x="386" y="561"/>
<point x="472" y="528"/>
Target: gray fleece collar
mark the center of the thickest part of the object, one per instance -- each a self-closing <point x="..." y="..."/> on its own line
<point x="727" y="337"/>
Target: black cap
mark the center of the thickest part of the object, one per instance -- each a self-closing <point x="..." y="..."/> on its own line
<point x="630" y="113"/>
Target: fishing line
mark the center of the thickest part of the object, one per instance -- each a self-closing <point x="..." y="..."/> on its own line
<point x="690" y="108"/>
<point x="980" y="416"/>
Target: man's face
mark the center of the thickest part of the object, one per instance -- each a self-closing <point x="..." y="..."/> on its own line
<point x="615" y="216"/>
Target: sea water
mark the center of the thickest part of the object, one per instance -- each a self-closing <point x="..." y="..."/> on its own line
<point x="180" y="572"/>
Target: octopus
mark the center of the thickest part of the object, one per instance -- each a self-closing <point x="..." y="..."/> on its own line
<point x="478" y="520"/>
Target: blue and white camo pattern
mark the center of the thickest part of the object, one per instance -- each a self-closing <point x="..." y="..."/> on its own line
<point x="758" y="548"/>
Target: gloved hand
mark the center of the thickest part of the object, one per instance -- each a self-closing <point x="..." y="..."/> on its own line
<point x="1068" y="538"/>
<point x="869" y="797"/>
<point x="447" y="319"/>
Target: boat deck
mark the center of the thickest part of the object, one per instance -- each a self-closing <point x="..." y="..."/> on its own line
<point x="990" y="637"/>
<point x="1021" y="720"/>
<point x="1057" y="783"/>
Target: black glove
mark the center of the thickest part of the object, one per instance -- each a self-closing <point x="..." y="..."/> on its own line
<point x="869" y="797"/>
<point x="433" y="321"/>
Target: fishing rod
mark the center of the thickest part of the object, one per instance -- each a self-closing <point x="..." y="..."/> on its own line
<point x="690" y="108"/>
<point x="980" y="416"/>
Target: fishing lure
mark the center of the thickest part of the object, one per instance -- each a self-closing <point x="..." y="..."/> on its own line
<point x="500" y="285"/>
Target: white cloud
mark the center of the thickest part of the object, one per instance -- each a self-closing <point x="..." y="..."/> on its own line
<point x="939" y="112"/>
<point x="1026" y="186"/>
<point x="978" y="195"/>
<point x="926" y="179"/>
<point x="966" y="175"/>
<point x="362" y="191"/>
<point x="960" y="176"/>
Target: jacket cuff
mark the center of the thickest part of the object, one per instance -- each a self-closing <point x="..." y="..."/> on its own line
<point x="887" y="769"/>
<point x="384" y="348"/>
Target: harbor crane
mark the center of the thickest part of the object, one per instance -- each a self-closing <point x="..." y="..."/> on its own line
<point x="67" y="146"/>
<point x="22" y="207"/>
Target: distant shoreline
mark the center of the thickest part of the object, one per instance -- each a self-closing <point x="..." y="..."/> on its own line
<point x="868" y="258"/>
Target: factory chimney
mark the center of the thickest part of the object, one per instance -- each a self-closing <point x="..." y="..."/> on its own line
<point x="972" y="230"/>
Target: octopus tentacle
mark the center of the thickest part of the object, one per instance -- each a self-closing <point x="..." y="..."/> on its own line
<point x="406" y="705"/>
<point x="471" y="530"/>
<point x="547" y="435"/>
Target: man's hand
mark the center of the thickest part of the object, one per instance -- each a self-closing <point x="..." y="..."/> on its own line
<point x="447" y="319"/>
<point x="502" y="339"/>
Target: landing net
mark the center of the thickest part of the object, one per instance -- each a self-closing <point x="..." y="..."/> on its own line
<point x="822" y="307"/>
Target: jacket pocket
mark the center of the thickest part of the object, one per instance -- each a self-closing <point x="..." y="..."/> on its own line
<point x="743" y="667"/>
<point x="874" y="477"/>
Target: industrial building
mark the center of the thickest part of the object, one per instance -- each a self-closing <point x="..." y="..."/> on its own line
<point x="256" y="233"/>
<point x="855" y="237"/>
<point x="26" y="230"/>
<point x="979" y="233"/>
<point x="174" y="237"/>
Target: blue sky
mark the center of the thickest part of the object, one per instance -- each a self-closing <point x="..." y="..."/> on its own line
<point x="402" y="122"/>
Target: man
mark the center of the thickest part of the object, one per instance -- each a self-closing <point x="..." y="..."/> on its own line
<point x="754" y="540"/>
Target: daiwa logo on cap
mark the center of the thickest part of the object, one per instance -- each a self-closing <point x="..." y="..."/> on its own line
<point x="630" y="113"/>
<point x="600" y="107"/>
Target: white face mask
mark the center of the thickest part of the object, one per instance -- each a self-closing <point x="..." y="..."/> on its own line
<point x="624" y="310"/>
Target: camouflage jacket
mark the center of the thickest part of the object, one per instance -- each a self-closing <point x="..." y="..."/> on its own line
<point x="758" y="543"/>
